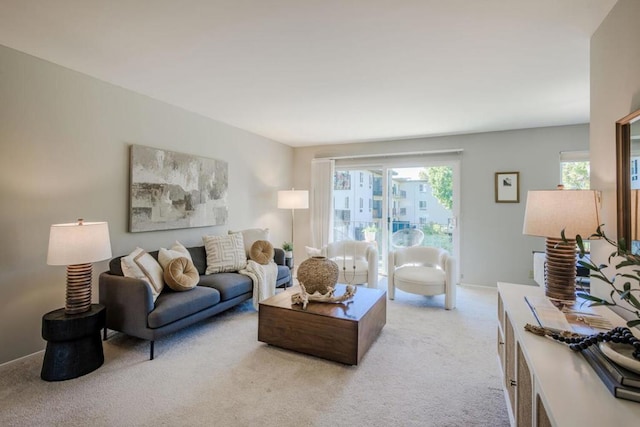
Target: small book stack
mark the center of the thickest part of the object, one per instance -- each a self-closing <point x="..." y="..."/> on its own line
<point x="621" y="382"/>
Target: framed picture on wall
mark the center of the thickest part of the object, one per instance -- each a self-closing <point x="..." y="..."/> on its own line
<point x="172" y="190"/>
<point x="507" y="187"/>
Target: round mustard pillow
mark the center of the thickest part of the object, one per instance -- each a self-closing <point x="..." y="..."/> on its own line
<point x="261" y="252"/>
<point x="181" y="274"/>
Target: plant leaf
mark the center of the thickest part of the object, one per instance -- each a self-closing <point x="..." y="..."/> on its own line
<point x="580" y="244"/>
<point x="632" y="323"/>
<point x="590" y="297"/>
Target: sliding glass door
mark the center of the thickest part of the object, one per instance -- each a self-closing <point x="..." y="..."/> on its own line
<point x="377" y="202"/>
<point x="357" y="202"/>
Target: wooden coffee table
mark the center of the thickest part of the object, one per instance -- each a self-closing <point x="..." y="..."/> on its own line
<point x="338" y="332"/>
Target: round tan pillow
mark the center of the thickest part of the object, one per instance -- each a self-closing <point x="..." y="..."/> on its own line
<point x="181" y="274"/>
<point x="261" y="252"/>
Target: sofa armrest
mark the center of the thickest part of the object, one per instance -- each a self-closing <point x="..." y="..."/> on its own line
<point x="128" y="302"/>
<point x="278" y="256"/>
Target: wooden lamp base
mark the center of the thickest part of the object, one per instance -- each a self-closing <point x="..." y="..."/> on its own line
<point x="78" y="288"/>
<point x="560" y="269"/>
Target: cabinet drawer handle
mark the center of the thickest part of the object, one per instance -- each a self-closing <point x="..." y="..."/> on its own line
<point x="500" y="342"/>
<point x="513" y="383"/>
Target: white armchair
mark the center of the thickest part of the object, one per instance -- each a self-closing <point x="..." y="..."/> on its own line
<point x="423" y="270"/>
<point x="362" y="255"/>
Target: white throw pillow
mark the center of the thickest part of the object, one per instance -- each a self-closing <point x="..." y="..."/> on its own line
<point x="251" y="235"/>
<point x="165" y="256"/>
<point x="311" y="252"/>
<point x="225" y="253"/>
<point x="140" y="265"/>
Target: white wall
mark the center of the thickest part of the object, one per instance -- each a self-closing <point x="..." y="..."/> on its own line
<point x="64" y="141"/>
<point x="492" y="245"/>
<point x="615" y="92"/>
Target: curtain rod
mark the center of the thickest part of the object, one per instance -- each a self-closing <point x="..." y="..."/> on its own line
<point x="408" y="153"/>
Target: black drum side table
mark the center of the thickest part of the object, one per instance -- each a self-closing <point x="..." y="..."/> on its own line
<point x="74" y="346"/>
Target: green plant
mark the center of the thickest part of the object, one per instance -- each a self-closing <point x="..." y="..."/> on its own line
<point x="370" y="228"/>
<point x="622" y="281"/>
<point x="287" y="246"/>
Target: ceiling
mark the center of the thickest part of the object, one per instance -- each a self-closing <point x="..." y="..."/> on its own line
<point x="311" y="72"/>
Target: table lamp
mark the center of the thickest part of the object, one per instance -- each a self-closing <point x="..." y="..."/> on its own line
<point x="77" y="245"/>
<point x="293" y="199"/>
<point x="547" y="214"/>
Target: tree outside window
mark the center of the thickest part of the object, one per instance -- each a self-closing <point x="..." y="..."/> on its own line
<point x="575" y="175"/>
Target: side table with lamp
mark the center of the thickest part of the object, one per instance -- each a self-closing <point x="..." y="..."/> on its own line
<point x="74" y="346"/>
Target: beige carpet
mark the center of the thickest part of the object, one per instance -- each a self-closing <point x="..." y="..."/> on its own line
<point x="429" y="367"/>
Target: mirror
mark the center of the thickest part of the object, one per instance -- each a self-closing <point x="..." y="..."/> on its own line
<point x="628" y="179"/>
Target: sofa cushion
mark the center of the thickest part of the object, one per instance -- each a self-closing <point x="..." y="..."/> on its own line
<point x="230" y="285"/>
<point x="199" y="258"/>
<point x="176" y="251"/>
<point x="420" y="275"/>
<point x="284" y="275"/>
<point x="261" y="252"/>
<point x="181" y="275"/>
<point x="225" y="253"/>
<point x="171" y="306"/>
<point x="250" y="235"/>
<point x="140" y="265"/>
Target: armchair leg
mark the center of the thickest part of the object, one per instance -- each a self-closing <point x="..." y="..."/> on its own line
<point x="104" y="334"/>
<point x="151" y="350"/>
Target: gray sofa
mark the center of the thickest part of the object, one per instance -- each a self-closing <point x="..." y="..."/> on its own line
<point x="130" y="307"/>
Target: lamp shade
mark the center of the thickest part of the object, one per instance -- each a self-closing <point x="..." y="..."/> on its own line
<point x="293" y="199"/>
<point x="548" y="212"/>
<point x="78" y="243"/>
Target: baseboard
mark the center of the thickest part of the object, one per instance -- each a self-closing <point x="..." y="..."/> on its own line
<point x="20" y="358"/>
<point x="474" y="285"/>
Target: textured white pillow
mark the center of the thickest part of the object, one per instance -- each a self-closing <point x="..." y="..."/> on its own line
<point x="225" y="253"/>
<point x="311" y="252"/>
<point x="165" y="256"/>
<point x="251" y="235"/>
<point x="140" y="265"/>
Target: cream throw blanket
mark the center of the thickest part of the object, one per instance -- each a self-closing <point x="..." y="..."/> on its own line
<point x="264" y="280"/>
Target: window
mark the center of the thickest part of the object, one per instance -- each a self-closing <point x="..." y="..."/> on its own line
<point x="423" y="188"/>
<point x="423" y="220"/>
<point x="422" y="204"/>
<point x="342" y="181"/>
<point x="342" y="215"/>
<point x="361" y="204"/>
<point x="574" y="170"/>
<point x="346" y="202"/>
<point x="370" y="204"/>
<point x="403" y="211"/>
<point x="361" y="179"/>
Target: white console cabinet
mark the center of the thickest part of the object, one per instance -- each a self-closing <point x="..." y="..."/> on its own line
<point x="546" y="383"/>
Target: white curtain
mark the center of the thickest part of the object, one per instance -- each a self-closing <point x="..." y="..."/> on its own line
<point x="321" y="201"/>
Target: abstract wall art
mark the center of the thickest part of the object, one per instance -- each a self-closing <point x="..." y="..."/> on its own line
<point x="174" y="190"/>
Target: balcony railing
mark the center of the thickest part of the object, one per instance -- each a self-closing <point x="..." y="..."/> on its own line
<point x="438" y="235"/>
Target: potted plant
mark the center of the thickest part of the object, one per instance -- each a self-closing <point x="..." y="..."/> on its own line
<point x="370" y="232"/>
<point x="287" y="247"/>
<point x="627" y="268"/>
